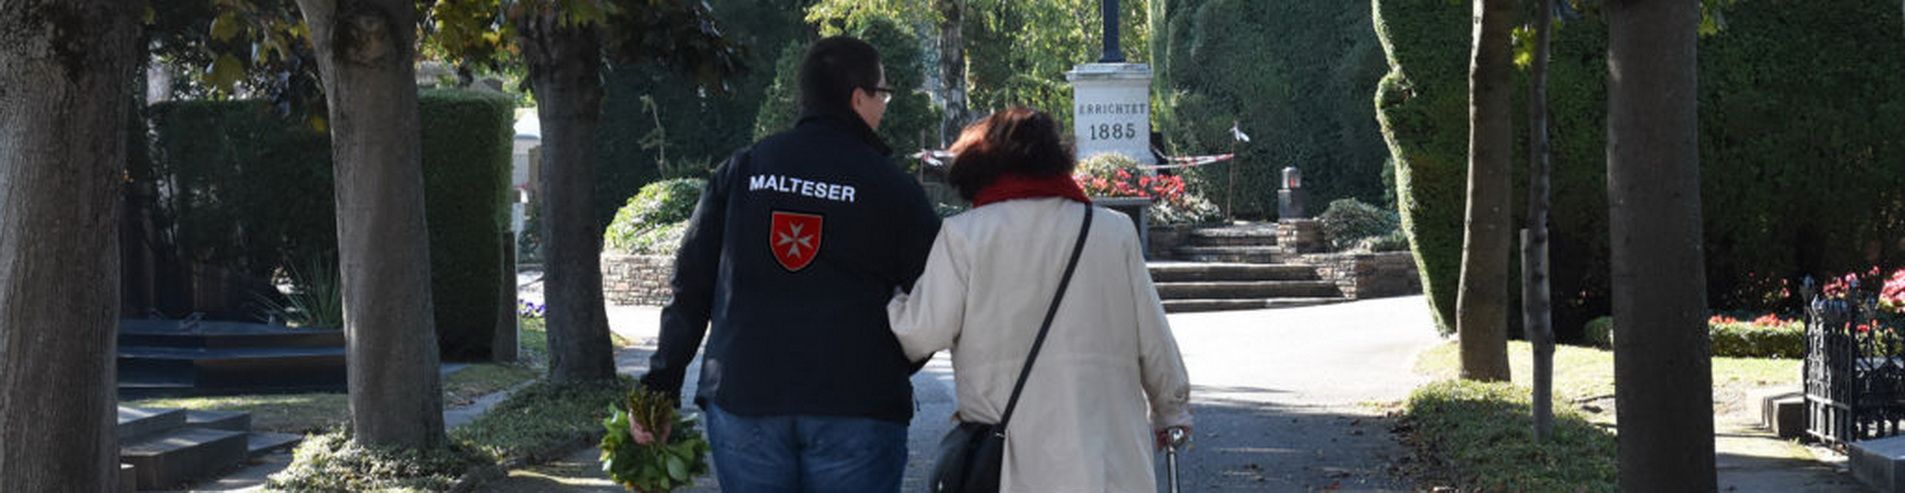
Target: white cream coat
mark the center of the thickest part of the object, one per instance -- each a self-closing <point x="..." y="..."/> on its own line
<point x="1109" y="373"/>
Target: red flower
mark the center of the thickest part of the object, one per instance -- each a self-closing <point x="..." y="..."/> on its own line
<point x="1768" y="320"/>
<point x="1863" y="328"/>
<point x="1722" y="319"/>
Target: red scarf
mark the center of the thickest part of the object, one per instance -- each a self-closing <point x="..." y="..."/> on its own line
<point x="1012" y="186"/>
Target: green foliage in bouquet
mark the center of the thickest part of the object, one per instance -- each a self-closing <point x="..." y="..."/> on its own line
<point x="650" y="447"/>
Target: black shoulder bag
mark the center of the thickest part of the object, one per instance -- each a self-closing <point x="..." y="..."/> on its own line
<point x="971" y="455"/>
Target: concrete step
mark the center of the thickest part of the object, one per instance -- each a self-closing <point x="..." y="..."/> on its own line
<point x="136" y="422"/>
<point x="265" y="443"/>
<point x="219" y="420"/>
<point x="128" y="478"/>
<point x="1233" y="254"/>
<point x="1247" y="290"/>
<point x="1204" y="237"/>
<point x="169" y="459"/>
<point x="1202" y="272"/>
<point x="1213" y="305"/>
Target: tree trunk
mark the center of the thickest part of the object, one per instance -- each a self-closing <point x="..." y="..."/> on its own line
<point x="1481" y="303"/>
<point x="364" y="52"/>
<point x="1662" y="358"/>
<point x="565" y="66"/>
<point x="952" y="69"/>
<point x="65" y="72"/>
<point x="1537" y="307"/>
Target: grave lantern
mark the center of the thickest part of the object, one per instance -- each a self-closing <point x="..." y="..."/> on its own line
<point x="1290" y="198"/>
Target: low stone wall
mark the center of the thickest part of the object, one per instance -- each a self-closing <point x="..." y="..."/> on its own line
<point x="637" y="279"/>
<point x="1364" y="276"/>
<point x="1165" y="238"/>
<point x="1301" y="236"/>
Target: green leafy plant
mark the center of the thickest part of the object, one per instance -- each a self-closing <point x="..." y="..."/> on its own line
<point x="651" y="447"/>
<point x="653" y="220"/>
<point x="1348" y="222"/>
<point x="1480" y="437"/>
<point x="316" y="298"/>
<point x="333" y="462"/>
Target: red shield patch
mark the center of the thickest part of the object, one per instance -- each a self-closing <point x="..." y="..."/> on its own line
<point x="795" y="239"/>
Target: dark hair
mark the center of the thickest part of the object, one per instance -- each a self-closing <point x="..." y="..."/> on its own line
<point x="1018" y="140"/>
<point x="832" y="69"/>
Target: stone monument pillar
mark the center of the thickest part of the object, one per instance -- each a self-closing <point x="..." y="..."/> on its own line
<point x="1111" y="108"/>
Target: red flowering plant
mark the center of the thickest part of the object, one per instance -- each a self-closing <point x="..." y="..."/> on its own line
<point x="1877" y="303"/>
<point x="1115" y="175"/>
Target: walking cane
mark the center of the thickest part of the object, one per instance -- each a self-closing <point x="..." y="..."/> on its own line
<point x="1177" y="439"/>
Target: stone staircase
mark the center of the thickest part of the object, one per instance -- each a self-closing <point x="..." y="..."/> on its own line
<point x="1238" y="268"/>
<point x="167" y="448"/>
<point x="164" y="358"/>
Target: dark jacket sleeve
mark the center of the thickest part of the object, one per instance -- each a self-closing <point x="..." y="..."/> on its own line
<point x="684" y="322"/>
<point x="915" y="243"/>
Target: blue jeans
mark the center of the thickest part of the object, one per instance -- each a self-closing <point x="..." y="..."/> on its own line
<point x="810" y="454"/>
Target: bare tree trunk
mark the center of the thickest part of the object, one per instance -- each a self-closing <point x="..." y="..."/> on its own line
<point x="1662" y="357"/>
<point x="565" y="66"/>
<point x="1481" y="303"/>
<point x="65" y="76"/>
<point x="365" y="49"/>
<point x="952" y="68"/>
<point x="1537" y="307"/>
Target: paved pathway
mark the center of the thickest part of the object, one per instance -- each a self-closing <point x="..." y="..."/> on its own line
<point x="1282" y="398"/>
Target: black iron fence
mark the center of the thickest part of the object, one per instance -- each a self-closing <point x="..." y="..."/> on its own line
<point x="1855" y="365"/>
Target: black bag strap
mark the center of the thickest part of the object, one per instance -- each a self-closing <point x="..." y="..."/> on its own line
<point x="1045" y="327"/>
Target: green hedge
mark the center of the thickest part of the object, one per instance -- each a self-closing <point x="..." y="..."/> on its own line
<point x="466" y="163"/>
<point x="1799" y="153"/>
<point x="1731" y="338"/>
<point x="1348" y="222"/>
<point x="254" y="192"/>
<point x="1297" y="75"/>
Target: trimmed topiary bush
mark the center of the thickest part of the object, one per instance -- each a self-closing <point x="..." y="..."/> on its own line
<point x="653" y="220"/>
<point x="254" y="195"/>
<point x="466" y="174"/>
<point x="1767" y="337"/>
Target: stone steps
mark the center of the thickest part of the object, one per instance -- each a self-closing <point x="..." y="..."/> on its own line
<point x="174" y="457"/>
<point x="1163" y="272"/>
<point x="168" y="448"/>
<point x="1247" y="290"/>
<point x="1213" y="305"/>
<point x="1234" y="237"/>
<point x="1234" y="254"/>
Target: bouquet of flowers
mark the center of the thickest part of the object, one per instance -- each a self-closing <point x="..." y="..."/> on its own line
<point x="650" y="447"/>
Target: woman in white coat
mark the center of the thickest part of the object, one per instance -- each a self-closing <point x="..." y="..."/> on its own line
<point x="1109" y="382"/>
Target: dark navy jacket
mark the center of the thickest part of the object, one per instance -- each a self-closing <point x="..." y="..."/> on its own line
<point x="793" y="251"/>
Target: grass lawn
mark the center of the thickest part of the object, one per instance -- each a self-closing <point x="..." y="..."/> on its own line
<point x="1476" y="436"/>
<point x="319" y="412"/>
<point x="1586" y="373"/>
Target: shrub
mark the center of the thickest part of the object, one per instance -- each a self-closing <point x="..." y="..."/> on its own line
<point x="467" y="138"/>
<point x="1348" y="221"/>
<point x="332" y="462"/>
<point x="254" y="191"/>
<point x="1765" y="337"/>
<point x="653" y="220"/>
<point x="1600" y="332"/>
<point x="1483" y="433"/>
<point x="1395" y="241"/>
